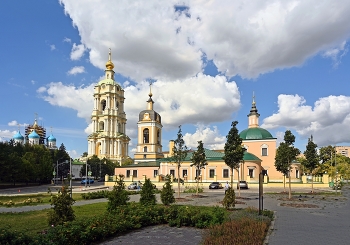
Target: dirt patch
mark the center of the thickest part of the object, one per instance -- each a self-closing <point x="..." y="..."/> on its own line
<point x="197" y="196"/>
<point x="181" y="199"/>
<point x="299" y="205"/>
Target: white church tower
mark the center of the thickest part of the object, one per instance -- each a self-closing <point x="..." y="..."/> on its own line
<point x="108" y="119"/>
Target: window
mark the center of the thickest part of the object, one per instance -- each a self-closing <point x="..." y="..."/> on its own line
<point x="144" y="156"/>
<point x="155" y="172"/>
<point x="101" y="126"/>
<point x="225" y="173"/>
<point x="146" y="135"/>
<point x="134" y="173"/>
<point x="184" y="172"/>
<point x="264" y="172"/>
<point x="172" y="172"/>
<point x="145" y="149"/>
<point x="127" y="173"/>
<point x="211" y="173"/>
<point x="103" y="105"/>
<point x="264" y="151"/>
<point x="251" y="173"/>
<point x="158" y="136"/>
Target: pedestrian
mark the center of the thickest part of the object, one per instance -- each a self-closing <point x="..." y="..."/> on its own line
<point x="226" y="187"/>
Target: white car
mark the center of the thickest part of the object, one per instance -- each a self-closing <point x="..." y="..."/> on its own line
<point x="133" y="186"/>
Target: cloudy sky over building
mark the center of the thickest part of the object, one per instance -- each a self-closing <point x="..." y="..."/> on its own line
<point x="205" y="59"/>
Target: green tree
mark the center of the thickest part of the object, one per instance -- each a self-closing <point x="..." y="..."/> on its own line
<point x="234" y="151"/>
<point x="326" y="154"/>
<point x="147" y="195"/>
<point x="62" y="210"/>
<point x="118" y="196"/>
<point x="167" y="194"/>
<point x="199" y="160"/>
<point x="312" y="159"/>
<point x="285" y="154"/>
<point x="179" y="154"/>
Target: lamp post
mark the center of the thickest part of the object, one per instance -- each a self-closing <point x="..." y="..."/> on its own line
<point x="70" y="177"/>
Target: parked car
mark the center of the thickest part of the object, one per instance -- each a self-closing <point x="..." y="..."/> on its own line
<point x="133" y="186"/>
<point x="89" y="181"/>
<point x="102" y="179"/>
<point x="242" y="184"/>
<point x="215" y="185"/>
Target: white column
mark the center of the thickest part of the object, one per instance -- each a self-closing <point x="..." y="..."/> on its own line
<point x="119" y="147"/>
<point x="115" y="148"/>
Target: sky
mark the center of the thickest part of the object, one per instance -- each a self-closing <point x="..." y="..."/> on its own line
<point x="206" y="59"/>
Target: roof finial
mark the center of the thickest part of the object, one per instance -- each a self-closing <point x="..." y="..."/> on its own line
<point x="150" y="89"/>
<point x="109" y="64"/>
<point x="109" y="55"/>
<point x="253" y="98"/>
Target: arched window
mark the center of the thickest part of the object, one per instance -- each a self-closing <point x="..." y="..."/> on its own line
<point x="145" y="149"/>
<point x="103" y="105"/>
<point x="146" y="135"/>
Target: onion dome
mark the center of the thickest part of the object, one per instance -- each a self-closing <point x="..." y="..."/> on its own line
<point x="18" y="136"/>
<point x="109" y="64"/>
<point x="33" y="135"/>
<point x="51" y="138"/>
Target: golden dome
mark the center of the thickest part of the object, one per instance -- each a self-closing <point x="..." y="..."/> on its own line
<point x="109" y="64"/>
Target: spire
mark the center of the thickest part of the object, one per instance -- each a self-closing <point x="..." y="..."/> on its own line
<point x="253" y="121"/>
<point x="150" y="101"/>
<point x="109" y="64"/>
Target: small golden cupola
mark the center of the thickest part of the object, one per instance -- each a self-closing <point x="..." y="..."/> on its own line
<point x="109" y="64"/>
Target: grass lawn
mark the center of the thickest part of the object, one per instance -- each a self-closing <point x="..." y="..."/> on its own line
<point x="24" y="221"/>
<point x="42" y="198"/>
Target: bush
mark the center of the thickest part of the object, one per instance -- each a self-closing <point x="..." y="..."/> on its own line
<point x="229" y="199"/>
<point x="95" y="195"/>
<point x="148" y="196"/>
<point x="167" y="193"/>
<point x="192" y="189"/>
<point x="62" y="210"/>
<point x="118" y="196"/>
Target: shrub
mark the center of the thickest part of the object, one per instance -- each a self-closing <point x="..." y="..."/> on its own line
<point x="191" y="189"/>
<point x="147" y="194"/>
<point x="62" y="210"/>
<point x="167" y="193"/>
<point x="95" y="195"/>
<point x="118" y="196"/>
<point x="229" y="199"/>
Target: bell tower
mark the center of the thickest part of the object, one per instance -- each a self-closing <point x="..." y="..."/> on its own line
<point x="108" y="119"/>
<point x="149" y="131"/>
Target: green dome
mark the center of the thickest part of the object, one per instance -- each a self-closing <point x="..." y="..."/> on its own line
<point x="255" y="134"/>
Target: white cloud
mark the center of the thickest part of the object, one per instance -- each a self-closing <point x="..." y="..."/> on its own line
<point x="52" y="47"/>
<point x="69" y="96"/>
<point x="67" y="40"/>
<point x="13" y="123"/>
<point x="33" y="82"/>
<point x="77" y="51"/>
<point x="326" y="121"/>
<point x="76" y="70"/>
<point x="73" y="154"/>
<point x="336" y="53"/>
<point x="149" y="39"/>
<point x="211" y="138"/>
<point x="6" y="135"/>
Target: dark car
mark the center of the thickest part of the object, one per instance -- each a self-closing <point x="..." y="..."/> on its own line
<point x="89" y="181"/>
<point x="242" y="184"/>
<point x="215" y="185"/>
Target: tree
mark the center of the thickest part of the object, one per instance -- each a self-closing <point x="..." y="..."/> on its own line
<point x="199" y="160"/>
<point x="285" y="154"/>
<point x="312" y="159"/>
<point x="62" y="210"/>
<point x="179" y="154"/>
<point x="147" y="194"/>
<point x="234" y="151"/>
<point x="167" y="194"/>
<point x="118" y="196"/>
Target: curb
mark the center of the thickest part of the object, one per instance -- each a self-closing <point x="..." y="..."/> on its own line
<point x="271" y="229"/>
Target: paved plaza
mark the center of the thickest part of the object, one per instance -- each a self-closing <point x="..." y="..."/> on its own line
<point x="311" y="219"/>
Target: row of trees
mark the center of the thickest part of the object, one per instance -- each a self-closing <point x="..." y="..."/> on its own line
<point x="98" y="167"/>
<point x="29" y="163"/>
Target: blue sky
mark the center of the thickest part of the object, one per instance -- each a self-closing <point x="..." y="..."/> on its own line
<point x="207" y="59"/>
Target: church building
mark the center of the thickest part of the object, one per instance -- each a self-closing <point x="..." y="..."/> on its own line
<point x="108" y="139"/>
